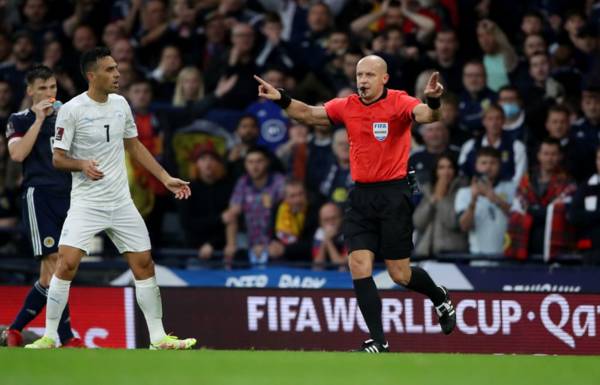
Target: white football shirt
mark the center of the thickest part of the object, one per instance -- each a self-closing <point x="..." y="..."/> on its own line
<point x="89" y="130"/>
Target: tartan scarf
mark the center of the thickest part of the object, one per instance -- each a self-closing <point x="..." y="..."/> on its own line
<point x="559" y="235"/>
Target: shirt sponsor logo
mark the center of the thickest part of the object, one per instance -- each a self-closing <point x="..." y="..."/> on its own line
<point x="59" y="133"/>
<point x="380" y="131"/>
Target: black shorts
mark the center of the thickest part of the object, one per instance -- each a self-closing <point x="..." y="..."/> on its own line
<point x="379" y="218"/>
<point x="44" y="212"/>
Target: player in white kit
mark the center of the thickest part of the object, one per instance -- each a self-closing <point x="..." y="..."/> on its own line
<point x="93" y="130"/>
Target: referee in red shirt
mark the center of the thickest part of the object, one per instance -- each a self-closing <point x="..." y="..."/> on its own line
<point x="378" y="220"/>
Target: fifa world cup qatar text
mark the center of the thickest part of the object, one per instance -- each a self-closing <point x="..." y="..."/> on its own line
<point x="92" y="132"/>
<point x="378" y="221"/>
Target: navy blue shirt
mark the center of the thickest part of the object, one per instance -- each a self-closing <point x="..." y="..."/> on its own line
<point x="38" y="170"/>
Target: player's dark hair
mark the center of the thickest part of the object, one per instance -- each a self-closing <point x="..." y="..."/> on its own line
<point x="489" y="151"/>
<point x="38" y="71"/>
<point x="91" y="57"/>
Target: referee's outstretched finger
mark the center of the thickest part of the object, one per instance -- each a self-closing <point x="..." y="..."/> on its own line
<point x="261" y="81"/>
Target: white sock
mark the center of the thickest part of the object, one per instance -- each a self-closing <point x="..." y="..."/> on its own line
<point x="58" y="295"/>
<point x="147" y="294"/>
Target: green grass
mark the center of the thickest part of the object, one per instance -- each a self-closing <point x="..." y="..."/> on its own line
<point x="143" y="367"/>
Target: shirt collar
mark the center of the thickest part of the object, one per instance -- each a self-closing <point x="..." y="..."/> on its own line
<point x="383" y="96"/>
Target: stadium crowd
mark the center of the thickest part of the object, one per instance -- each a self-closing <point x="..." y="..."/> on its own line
<point x="512" y="168"/>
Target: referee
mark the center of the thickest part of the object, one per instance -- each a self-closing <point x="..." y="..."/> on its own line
<point x="379" y="218"/>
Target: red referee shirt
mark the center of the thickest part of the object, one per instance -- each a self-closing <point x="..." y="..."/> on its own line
<point x="379" y="134"/>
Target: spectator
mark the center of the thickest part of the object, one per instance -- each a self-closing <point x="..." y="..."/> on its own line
<point x="328" y="243"/>
<point x="337" y="183"/>
<point x="84" y="39"/>
<point x="154" y="33"/>
<point x="543" y="91"/>
<point x="9" y="212"/>
<point x="189" y="87"/>
<point x="165" y="75"/>
<point x="255" y="194"/>
<point x="512" y="152"/>
<point x="5" y="48"/>
<point x="311" y="41"/>
<point x="436" y="139"/>
<point x="347" y="77"/>
<point x="35" y="23"/>
<point x="274" y="52"/>
<point x="294" y="223"/>
<point x="584" y="213"/>
<point x="474" y="98"/>
<point x="450" y="118"/>
<point x="435" y="218"/>
<point x="577" y="159"/>
<point x="200" y="215"/>
<point x="320" y="156"/>
<point x="512" y="104"/>
<point x="246" y="137"/>
<point x="6" y="104"/>
<point x="14" y="72"/>
<point x="499" y="57"/>
<point x="112" y="33"/>
<point x="445" y="60"/>
<point x="542" y="195"/>
<point x="214" y="40"/>
<point x="531" y="45"/>
<point x="273" y="121"/>
<point x="588" y="126"/>
<point x="483" y="207"/>
<point x="54" y="59"/>
<point x="148" y="193"/>
<point x="239" y="60"/>
<point x="294" y="153"/>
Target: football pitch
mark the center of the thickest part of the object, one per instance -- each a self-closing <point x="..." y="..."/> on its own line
<point x="218" y="367"/>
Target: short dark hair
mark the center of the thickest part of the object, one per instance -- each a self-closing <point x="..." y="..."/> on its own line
<point x="551" y="142"/>
<point x="489" y="151"/>
<point x="38" y="71"/>
<point x="260" y="150"/>
<point x="511" y="88"/>
<point x="561" y="109"/>
<point x="89" y="58"/>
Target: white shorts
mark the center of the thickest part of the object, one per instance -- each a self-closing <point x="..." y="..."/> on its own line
<point x="123" y="225"/>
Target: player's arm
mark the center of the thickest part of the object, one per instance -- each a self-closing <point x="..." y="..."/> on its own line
<point x="141" y="154"/>
<point x="302" y="112"/>
<point x="20" y="148"/>
<point x="430" y="112"/>
<point x="62" y="161"/>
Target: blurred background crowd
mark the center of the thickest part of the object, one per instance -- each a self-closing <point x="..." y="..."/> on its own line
<point x="512" y="169"/>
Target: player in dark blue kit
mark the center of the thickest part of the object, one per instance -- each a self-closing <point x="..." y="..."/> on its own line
<point x="46" y="195"/>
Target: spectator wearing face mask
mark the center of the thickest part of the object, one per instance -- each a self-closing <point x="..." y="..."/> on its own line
<point x="514" y="124"/>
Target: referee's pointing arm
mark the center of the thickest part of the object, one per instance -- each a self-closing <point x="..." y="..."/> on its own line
<point x="296" y="109"/>
<point x="371" y="77"/>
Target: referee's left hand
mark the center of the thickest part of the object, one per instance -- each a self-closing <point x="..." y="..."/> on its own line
<point x="434" y="89"/>
<point x="179" y="187"/>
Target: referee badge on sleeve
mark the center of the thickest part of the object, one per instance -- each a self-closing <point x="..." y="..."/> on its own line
<point x="380" y="130"/>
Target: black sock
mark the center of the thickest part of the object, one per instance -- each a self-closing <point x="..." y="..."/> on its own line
<point x="64" y="326"/>
<point x="422" y="283"/>
<point x="33" y="305"/>
<point x="370" y="306"/>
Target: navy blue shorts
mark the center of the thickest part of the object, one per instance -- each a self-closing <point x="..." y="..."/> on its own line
<point x="44" y="212"/>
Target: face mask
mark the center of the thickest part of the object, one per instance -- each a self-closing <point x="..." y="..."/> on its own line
<point x="511" y="110"/>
